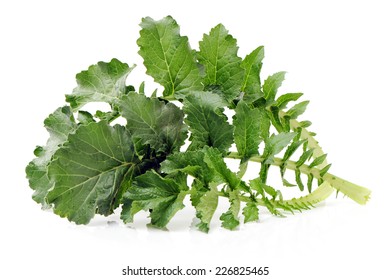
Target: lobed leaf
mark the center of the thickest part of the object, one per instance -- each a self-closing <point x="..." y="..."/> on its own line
<point x="156" y="123"/>
<point x="207" y="124"/>
<point x="102" y="82"/>
<point x="168" y="57"/>
<point x="89" y="169"/>
<point x="163" y="196"/>
<point x="218" y="54"/>
<point x="59" y="124"/>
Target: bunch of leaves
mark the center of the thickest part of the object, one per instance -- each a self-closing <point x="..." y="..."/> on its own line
<point x="91" y="166"/>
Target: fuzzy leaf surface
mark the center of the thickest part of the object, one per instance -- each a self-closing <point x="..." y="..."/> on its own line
<point x="102" y="82"/>
<point x="59" y="125"/>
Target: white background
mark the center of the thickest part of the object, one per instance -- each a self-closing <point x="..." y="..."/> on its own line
<point x="336" y="52"/>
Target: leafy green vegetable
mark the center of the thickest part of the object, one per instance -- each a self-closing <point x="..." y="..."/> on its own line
<point x="218" y="54"/>
<point x="177" y="143"/>
<point x="168" y="57"/>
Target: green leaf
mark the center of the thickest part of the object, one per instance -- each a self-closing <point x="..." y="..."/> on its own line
<point x="89" y="170"/>
<point x="252" y="64"/>
<point x="59" y="124"/>
<point x="298" y="179"/>
<point x="164" y="196"/>
<point x="250" y="212"/>
<point x="324" y="170"/>
<point x="206" y="208"/>
<point x="84" y="117"/>
<point x="102" y="82"/>
<point x="189" y="162"/>
<point x="214" y="160"/>
<point x="275" y="144"/>
<point x="218" y="54"/>
<point x="291" y="149"/>
<point x="284" y="99"/>
<point x="304" y="157"/>
<point x="156" y="123"/>
<point x="230" y="218"/>
<point x="297" y="110"/>
<point x="168" y="57"/>
<point x="318" y="161"/>
<point x="247" y="123"/>
<point x="207" y="124"/>
<point x="271" y="85"/>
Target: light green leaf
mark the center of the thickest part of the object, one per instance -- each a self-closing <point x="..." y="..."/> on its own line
<point x="297" y="110"/>
<point x="89" y="169"/>
<point x="247" y="131"/>
<point x="252" y="64"/>
<point x="168" y="57"/>
<point x="218" y="54"/>
<point x="230" y="218"/>
<point x="275" y="144"/>
<point x="156" y="123"/>
<point x="250" y="212"/>
<point x="59" y="125"/>
<point x="102" y="82"/>
<point x="164" y="196"/>
<point x="271" y="85"/>
<point x="206" y="121"/>
<point x="284" y="99"/>
<point x="206" y="208"/>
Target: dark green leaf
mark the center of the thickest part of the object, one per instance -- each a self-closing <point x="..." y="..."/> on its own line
<point x="168" y="57"/>
<point x="157" y="124"/>
<point x="89" y="169"/>
<point x="164" y="196"/>
<point x="189" y="162"/>
<point x="214" y="160"/>
<point x="207" y="123"/>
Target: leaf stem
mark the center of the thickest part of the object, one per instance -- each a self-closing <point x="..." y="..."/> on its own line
<point x="353" y="191"/>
